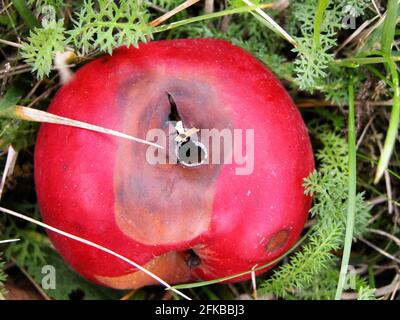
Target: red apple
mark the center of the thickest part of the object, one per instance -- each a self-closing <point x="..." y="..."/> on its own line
<point x="183" y="223"/>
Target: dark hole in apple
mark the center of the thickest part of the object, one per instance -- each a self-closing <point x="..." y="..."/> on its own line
<point x="173" y="114"/>
<point x="192" y="259"/>
<point x="191" y="153"/>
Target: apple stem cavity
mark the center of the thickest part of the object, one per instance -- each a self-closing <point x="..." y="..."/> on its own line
<point x="189" y="152"/>
<point x="174" y="114"/>
<point x="192" y="259"/>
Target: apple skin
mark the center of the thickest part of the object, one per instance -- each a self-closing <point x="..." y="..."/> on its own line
<point x="100" y="187"/>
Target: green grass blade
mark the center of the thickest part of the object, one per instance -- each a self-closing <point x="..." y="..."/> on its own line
<point x="319" y="16"/>
<point x="351" y="201"/>
<point x="270" y="23"/>
<point x="204" y="17"/>
<point x="11" y="98"/>
<point x="388" y="33"/>
<point x="372" y="161"/>
<point x="356" y="61"/>
<point x="26" y="14"/>
<point x="393" y="128"/>
<point x="389" y="26"/>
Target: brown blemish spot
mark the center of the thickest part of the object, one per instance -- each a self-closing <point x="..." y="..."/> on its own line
<point x="277" y="241"/>
<point x="170" y="267"/>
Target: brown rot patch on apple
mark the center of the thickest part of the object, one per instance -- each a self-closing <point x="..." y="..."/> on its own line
<point x="277" y="241"/>
<point x="171" y="267"/>
<point x="166" y="203"/>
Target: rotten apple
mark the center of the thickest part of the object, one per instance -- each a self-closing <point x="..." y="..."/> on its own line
<point x="185" y="220"/>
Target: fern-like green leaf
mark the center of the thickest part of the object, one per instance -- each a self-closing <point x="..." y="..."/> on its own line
<point x="42" y="46"/>
<point x="314" y="65"/>
<point x="366" y="293"/>
<point x="323" y="285"/>
<point x="311" y="63"/>
<point x="106" y="25"/>
<point x="355" y="8"/>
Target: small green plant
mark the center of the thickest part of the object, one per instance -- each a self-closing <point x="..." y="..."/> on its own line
<point x="319" y="22"/>
<point x="42" y="46"/>
<point x="366" y="293"/>
<point x="102" y="25"/>
<point x="109" y="25"/>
